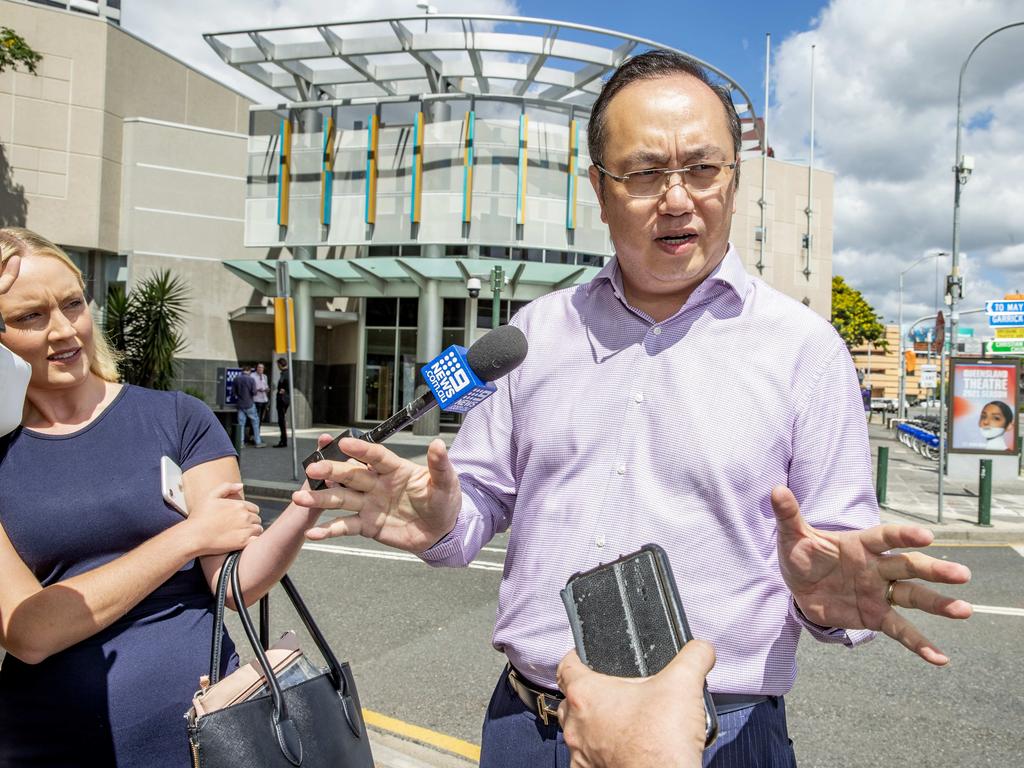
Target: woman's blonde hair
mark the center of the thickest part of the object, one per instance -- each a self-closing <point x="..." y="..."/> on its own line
<point x="16" y="241"/>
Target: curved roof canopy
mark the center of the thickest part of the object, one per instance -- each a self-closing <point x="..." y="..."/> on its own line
<point x="394" y="276"/>
<point x="410" y="56"/>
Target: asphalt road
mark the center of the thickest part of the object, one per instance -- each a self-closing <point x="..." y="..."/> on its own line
<point x="418" y="640"/>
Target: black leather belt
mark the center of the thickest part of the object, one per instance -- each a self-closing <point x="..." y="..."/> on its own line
<point x="543" y="702"/>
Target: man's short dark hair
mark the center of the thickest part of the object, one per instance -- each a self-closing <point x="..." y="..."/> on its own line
<point x="281" y="361"/>
<point x="651" y="65"/>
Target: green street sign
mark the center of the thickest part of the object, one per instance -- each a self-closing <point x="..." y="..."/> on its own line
<point x="1006" y="347"/>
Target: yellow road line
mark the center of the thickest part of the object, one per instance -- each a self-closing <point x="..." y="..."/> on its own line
<point x="425" y="735"/>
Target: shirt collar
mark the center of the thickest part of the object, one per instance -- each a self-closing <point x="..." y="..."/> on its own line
<point x="729" y="272"/>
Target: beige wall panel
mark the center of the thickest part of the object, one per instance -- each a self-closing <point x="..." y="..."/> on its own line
<point x="73" y="48"/>
<point x="177" y="146"/>
<point x="208" y="332"/>
<point x="86" y="135"/>
<point x="184" y="235"/>
<point x="110" y="205"/>
<point x="72" y="220"/>
<point x="28" y="86"/>
<point x="342" y="345"/>
<point x="40" y="124"/>
<point x="154" y="85"/>
<point x="6" y="116"/>
<point x="210" y="105"/>
<point x="51" y="161"/>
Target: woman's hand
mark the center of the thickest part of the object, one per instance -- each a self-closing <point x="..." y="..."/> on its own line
<point x="223" y="521"/>
<point x="8" y="273"/>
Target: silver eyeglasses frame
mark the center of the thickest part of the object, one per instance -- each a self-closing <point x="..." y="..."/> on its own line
<point x="666" y="174"/>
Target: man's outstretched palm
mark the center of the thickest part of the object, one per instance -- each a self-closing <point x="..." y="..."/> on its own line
<point x="841" y="579"/>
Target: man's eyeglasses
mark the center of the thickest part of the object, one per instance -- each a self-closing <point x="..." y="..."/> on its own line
<point x="698" y="179"/>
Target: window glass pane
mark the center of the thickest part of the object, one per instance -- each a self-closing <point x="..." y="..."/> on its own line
<point x="558" y="257"/>
<point x="454" y="314"/>
<point x="382" y="312"/>
<point x="457" y="250"/>
<point x="408" y="312"/>
<point x="378" y="379"/>
<point x="407" y="368"/>
<point x="589" y="260"/>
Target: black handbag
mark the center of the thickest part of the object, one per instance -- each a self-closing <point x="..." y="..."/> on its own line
<point x="317" y="722"/>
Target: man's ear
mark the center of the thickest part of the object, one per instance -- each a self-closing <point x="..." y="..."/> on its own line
<point x="597" y="183"/>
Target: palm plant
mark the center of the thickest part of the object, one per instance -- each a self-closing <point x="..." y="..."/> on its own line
<point x="144" y="326"/>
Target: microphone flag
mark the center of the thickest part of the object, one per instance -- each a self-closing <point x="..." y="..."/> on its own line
<point x="453" y="383"/>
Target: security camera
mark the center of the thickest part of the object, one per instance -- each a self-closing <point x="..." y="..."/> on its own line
<point x="473" y="286"/>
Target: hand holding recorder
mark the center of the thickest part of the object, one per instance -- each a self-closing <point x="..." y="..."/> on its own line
<point x="600" y="713"/>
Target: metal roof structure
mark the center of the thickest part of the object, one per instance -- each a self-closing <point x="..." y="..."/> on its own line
<point x="400" y="276"/>
<point x="403" y="57"/>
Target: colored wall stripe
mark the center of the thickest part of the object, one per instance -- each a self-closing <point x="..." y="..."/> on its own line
<point x="284" y="171"/>
<point x="467" y="165"/>
<point x="417" y="169"/>
<point x="572" y="180"/>
<point x="521" y="184"/>
<point x="372" y="131"/>
<point x="327" y="173"/>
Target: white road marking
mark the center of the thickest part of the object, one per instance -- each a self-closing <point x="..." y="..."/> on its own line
<point x="999" y="610"/>
<point x="1020" y="550"/>
<point x="383" y="555"/>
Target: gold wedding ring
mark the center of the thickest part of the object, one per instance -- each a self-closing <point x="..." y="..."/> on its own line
<point x="889" y="591"/>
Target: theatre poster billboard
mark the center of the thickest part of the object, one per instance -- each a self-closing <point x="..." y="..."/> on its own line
<point x="985" y="401"/>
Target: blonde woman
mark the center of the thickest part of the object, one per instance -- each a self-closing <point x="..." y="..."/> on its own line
<point x="105" y="599"/>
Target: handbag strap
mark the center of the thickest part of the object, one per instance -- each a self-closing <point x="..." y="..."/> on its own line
<point x="285" y="730"/>
<point x="216" y="647"/>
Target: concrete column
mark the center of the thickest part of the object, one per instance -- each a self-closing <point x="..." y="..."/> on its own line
<point x="428" y="343"/>
<point x="305" y="328"/>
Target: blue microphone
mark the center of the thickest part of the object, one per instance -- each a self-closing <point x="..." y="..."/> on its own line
<point x="458" y="380"/>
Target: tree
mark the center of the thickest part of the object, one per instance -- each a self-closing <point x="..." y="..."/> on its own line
<point x="853" y="318"/>
<point x="14" y="51"/>
<point x="144" y="326"/>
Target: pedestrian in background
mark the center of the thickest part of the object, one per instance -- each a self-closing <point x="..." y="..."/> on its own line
<point x="245" y="389"/>
<point x="284" y="399"/>
<point x="262" y="394"/>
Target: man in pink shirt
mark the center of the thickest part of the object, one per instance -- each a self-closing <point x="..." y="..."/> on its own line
<point x="674" y="399"/>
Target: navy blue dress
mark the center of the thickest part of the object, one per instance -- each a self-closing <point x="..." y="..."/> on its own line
<point x="71" y="503"/>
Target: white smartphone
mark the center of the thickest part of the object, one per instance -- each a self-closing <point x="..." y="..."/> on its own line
<point x="172" y="486"/>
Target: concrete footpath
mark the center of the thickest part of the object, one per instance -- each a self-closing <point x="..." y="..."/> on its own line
<point x="911" y="497"/>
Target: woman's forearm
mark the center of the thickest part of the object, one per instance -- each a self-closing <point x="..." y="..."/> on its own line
<point x="49" y="619"/>
<point x="269" y="557"/>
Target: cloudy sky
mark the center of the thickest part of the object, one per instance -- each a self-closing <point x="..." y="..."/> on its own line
<point x="885" y="110"/>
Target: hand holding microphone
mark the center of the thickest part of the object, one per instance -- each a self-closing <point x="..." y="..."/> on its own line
<point x="395" y="501"/>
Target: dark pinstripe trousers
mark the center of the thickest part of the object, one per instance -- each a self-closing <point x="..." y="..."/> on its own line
<point x="514" y="737"/>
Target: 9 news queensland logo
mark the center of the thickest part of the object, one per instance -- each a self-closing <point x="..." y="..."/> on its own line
<point x="453" y="382"/>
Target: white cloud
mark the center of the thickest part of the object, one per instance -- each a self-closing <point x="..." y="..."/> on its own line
<point x="178" y="27"/>
<point x="885" y="122"/>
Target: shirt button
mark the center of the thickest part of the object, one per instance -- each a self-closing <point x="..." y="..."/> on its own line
<point x="639" y="397"/>
<point x="656" y="330"/>
<point x="599" y="541"/>
<point x="621" y="469"/>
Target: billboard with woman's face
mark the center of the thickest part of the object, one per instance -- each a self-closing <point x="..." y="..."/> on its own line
<point x="984" y="418"/>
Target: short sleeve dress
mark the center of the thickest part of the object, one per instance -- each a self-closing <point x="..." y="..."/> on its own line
<point x="71" y="503"/>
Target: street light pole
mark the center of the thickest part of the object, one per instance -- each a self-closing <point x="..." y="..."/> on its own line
<point x="901" y="408"/>
<point x="961" y="171"/>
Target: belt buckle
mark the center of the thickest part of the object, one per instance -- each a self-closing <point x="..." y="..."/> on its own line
<point x="544" y="712"/>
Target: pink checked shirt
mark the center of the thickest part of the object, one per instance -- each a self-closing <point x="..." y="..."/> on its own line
<point x="618" y="431"/>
